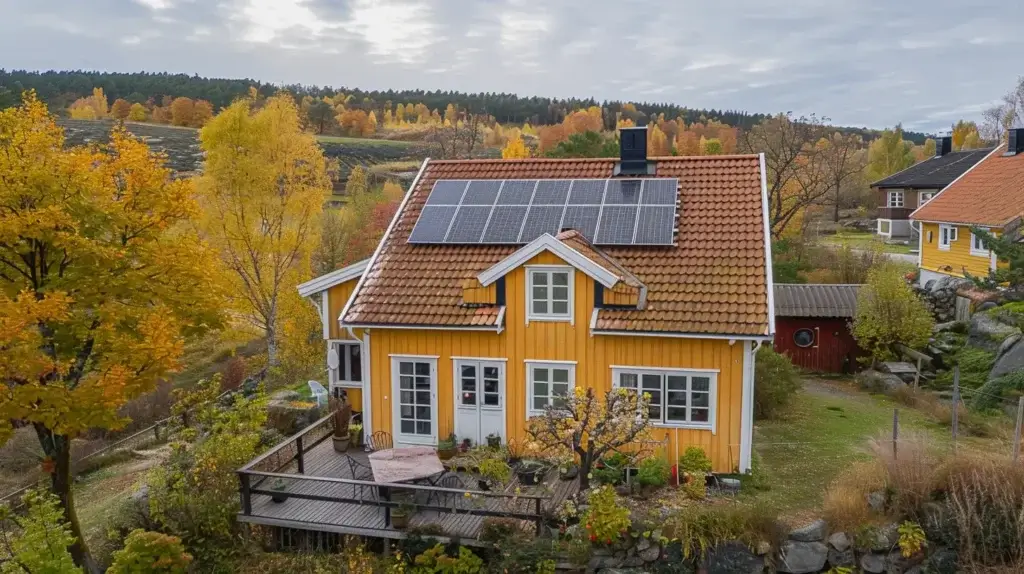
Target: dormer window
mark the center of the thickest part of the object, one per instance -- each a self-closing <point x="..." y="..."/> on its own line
<point x="549" y="293"/>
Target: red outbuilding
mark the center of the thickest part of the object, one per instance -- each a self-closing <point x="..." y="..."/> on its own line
<point x="812" y="326"/>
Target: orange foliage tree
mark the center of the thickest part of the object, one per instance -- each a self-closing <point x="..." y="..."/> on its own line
<point x="101" y="279"/>
<point x="182" y="111"/>
<point x="120" y="109"/>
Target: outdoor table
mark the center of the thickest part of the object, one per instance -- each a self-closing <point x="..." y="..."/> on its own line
<point x="406" y="464"/>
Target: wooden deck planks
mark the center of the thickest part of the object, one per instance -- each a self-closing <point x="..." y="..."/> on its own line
<point x="323" y="461"/>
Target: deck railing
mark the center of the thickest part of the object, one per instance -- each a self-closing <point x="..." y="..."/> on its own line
<point x="270" y="464"/>
<point x="481" y="503"/>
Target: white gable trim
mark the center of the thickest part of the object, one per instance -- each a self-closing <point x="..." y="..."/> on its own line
<point x="325" y="282"/>
<point x="387" y="233"/>
<point x="547" y="242"/>
<point x="767" y="249"/>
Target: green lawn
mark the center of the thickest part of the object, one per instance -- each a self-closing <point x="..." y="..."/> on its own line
<point x="827" y="427"/>
<point x="859" y="240"/>
<point x="365" y="141"/>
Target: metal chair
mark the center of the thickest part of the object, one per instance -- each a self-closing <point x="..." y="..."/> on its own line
<point x="446" y="480"/>
<point x="380" y="440"/>
<point x="361" y="471"/>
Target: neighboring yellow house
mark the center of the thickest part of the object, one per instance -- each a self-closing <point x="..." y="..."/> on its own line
<point x="502" y="284"/>
<point x="990" y="195"/>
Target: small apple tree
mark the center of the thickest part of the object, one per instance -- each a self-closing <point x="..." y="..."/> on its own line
<point x="587" y="425"/>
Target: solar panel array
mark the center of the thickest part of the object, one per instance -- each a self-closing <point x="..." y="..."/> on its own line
<point x="517" y="211"/>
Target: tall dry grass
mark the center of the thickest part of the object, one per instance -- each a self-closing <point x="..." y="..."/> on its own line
<point x="986" y="496"/>
<point x="845" y="504"/>
<point x="909" y="472"/>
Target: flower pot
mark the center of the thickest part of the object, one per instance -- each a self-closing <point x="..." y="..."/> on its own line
<point x="279" y="496"/>
<point x="446" y="453"/>
<point x="400" y="520"/>
<point x="530" y="475"/>
<point x="341" y="444"/>
<point x="482" y="485"/>
<point x="494" y="442"/>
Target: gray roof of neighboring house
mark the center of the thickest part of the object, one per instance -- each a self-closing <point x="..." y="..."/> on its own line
<point x="815" y="300"/>
<point x="935" y="172"/>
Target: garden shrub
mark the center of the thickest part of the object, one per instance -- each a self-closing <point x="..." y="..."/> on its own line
<point x="435" y="561"/>
<point x="152" y="553"/>
<point x="700" y="527"/>
<point x="653" y="471"/>
<point x="611" y="470"/>
<point x="194" y="495"/>
<point x="694" y="459"/>
<point x="1008" y="386"/>
<point x="496" y="529"/>
<point x="38" y="540"/>
<point x="890" y="313"/>
<point x="975" y="365"/>
<point x="776" y="380"/>
<point x="523" y="555"/>
<point x="605" y="518"/>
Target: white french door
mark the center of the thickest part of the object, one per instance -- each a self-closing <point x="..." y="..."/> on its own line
<point x="479" y="399"/>
<point x="414" y="400"/>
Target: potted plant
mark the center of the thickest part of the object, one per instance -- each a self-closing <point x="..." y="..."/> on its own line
<point x="280" y="490"/>
<point x="515" y="452"/>
<point x="495" y="472"/>
<point x="568" y="470"/>
<point x="465" y="445"/>
<point x="494" y="441"/>
<point x="342" y="417"/>
<point x="401" y="515"/>
<point x="355" y="433"/>
<point x="530" y="471"/>
<point x="447" y="448"/>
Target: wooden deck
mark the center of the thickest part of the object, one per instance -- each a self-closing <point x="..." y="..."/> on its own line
<point x="325" y="497"/>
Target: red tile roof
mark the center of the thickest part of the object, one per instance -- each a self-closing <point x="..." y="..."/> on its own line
<point x="991" y="194"/>
<point x="712" y="281"/>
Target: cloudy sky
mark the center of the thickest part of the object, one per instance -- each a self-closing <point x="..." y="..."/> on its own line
<point x="925" y="63"/>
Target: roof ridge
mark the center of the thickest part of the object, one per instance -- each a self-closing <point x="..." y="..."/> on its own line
<point x="665" y="158"/>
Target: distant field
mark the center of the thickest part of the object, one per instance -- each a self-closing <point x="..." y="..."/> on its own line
<point x="864" y="241"/>
<point x="367" y="141"/>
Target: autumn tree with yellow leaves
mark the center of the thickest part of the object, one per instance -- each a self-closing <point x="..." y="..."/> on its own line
<point x="137" y="113"/>
<point x="101" y="280"/>
<point x="93" y="107"/>
<point x="263" y="191"/>
<point x="585" y="426"/>
<point x="515" y="149"/>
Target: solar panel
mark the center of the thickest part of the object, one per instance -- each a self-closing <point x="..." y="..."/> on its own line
<point x="551" y="192"/>
<point x="659" y="192"/>
<point x="622" y="192"/>
<point x="481" y="192"/>
<point x="505" y="224"/>
<point x="469" y="224"/>
<point x="582" y="218"/>
<point x="587" y="191"/>
<point x="618" y="211"/>
<point x="517" y="192"/>
<point x="540" y="220"/>
<point x="433" y="224"/>
<point x="655" y="225"/>
<point x="447" y="192"/>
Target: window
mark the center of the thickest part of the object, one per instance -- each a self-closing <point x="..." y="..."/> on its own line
<point x="947" y="235"/>
<point x="548" y="383"/>
<point x="414" y="380"/>
<point x="345" y="363"/>
<point x="926" y="196"/>
<point x="549" y="293"/>
<point x="978" y="246"/>
<point x="803" y="338"/>
<point x="678" y="398"/>
<point x="896" y="198"/>
<point x="884" y="225"/>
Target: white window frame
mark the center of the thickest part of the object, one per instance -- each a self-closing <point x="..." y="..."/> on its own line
<point x="333" y="374"/>
<point x="978" y="247"/>
<point x="712" y="374"/>
<point x="396" y="420"/>
<point x="930" y="194"/>
<point x="884" y="231"/>
<point x="947" y="235"/>
<point x="896" y="198"/>
<point x="550" y="270"/>
<point x="530" y="366"/>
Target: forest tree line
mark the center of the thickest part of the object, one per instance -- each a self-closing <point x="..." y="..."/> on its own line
<point x="59" y="89"/>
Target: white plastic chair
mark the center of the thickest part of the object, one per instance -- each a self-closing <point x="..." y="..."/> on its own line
<point x="319" y="393"/>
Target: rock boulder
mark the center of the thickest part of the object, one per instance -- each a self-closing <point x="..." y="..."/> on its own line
<point x="801" y="557"/>
<point x="733" y="558"/>
<point x="987" y="333"/>
<point x="813" y="532"/>
<point x="1010" y="357"/>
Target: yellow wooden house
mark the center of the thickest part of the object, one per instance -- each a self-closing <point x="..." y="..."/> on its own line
<point x="502" y="284"/>
<point x="990" y="196"/>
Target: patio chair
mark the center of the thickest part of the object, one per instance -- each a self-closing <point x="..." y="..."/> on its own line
<point x="446" y="480"/>
<point x="361" y="471"/>
<point x="380" y="440"/>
